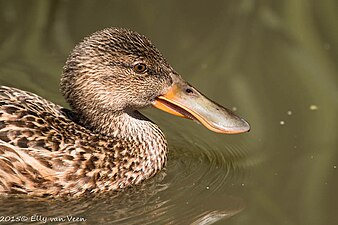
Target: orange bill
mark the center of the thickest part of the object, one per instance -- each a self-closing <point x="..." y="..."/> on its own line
<point x="185" y="101"/>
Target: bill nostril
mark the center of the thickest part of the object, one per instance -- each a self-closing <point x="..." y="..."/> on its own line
<point x="189" y="91"/>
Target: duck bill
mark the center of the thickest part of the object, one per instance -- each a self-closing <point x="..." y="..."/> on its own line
<point x="185" y="101"/>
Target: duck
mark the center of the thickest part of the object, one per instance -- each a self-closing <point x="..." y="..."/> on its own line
<point x="102" y="142"/>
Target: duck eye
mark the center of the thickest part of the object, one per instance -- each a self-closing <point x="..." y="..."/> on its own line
<point x="140" y="68"/>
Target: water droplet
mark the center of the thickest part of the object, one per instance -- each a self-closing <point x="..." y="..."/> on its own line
<point x="281" y="122"/>
<point x="242" y="184"/>
<point x="313" y="107"/>
<point x="207" y="187"/>
<point x="334" y="167"/>
<point x="234" y="108"/>
<point x="289" y="112"/>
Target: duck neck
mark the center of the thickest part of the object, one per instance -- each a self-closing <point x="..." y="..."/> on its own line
<point x="134" y="128"/>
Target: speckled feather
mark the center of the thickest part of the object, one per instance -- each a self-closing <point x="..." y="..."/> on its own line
<point x="42" y="152"/>
<point x="102" y="145"/>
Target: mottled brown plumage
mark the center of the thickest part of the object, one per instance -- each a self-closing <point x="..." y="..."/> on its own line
<point x="43" y="152"/>
<point x="103" y="143"/>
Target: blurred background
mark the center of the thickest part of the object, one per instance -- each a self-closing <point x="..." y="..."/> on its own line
<point x="273" y="62"/>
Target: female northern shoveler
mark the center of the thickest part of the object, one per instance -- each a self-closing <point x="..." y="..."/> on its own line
<point x="103" y="143"/>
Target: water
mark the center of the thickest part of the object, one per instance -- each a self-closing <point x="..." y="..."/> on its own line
<point x="275" y="63"/>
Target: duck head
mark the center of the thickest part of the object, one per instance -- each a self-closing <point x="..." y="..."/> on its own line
<point x="117" y="71"/>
